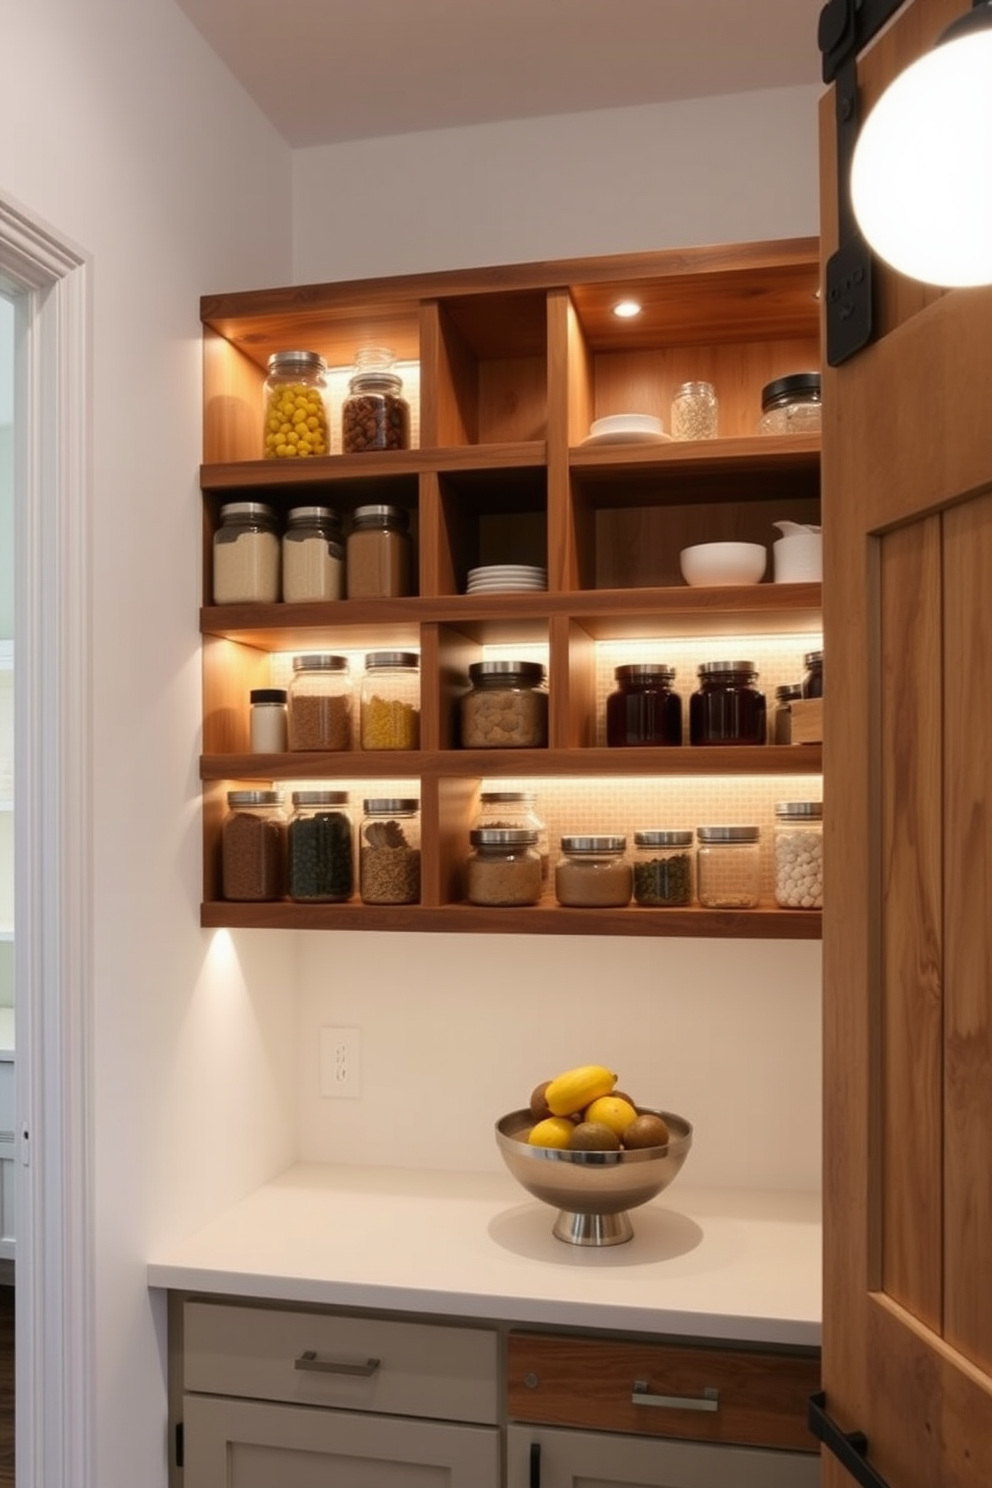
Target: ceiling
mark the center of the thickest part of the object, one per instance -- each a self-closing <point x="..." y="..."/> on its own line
<point x="329" y="71"/>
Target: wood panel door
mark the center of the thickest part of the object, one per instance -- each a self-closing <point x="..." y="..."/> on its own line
<point x="907" y="504"/>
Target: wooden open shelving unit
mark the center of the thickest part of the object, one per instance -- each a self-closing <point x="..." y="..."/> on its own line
<point x="514" y="365"/>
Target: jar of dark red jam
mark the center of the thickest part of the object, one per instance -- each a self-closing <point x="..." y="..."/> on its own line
<point x="727" y="708"/>
<point x="643" y="709"/>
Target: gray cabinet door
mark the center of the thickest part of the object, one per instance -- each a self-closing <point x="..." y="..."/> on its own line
<point x="248" y="1444"/>
<point x="594" y="1459"/>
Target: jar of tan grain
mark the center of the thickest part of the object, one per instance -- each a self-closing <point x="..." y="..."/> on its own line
<point x="504" y="867"/>
<point x="379" y="553"/>
<point x="593" y="873"/>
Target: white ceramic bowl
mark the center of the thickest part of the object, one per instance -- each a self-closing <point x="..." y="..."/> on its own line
<point x="717" y="563"/>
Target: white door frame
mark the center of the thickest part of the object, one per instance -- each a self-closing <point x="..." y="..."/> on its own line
<point x="52" y="853"/>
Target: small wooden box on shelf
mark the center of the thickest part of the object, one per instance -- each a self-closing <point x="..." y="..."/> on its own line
<point x="513" y="365"/>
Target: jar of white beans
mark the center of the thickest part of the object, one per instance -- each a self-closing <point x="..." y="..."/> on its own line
<point x="799" y="854"/>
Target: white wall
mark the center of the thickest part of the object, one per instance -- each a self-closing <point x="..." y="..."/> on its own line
<point x="119" y="128"/>
<point x="456" y="1032"/>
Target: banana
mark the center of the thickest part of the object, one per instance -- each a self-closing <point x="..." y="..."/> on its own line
<point x="576" y="1088"/>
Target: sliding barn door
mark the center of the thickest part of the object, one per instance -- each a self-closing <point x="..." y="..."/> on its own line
<point x="907" y="472"/>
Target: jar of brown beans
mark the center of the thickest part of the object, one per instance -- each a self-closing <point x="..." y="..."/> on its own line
<point x="375" y="415"/>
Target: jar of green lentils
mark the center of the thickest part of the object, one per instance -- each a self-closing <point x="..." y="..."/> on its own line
<point x="663" y="868"/>
<point x="320" y="844"/>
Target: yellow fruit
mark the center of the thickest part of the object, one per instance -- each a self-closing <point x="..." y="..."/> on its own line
<point x="577" y="1088"/>
<point x="613" y="1111"/>
<point x="554" y="1131"/>
<point x="593" y="1136"/>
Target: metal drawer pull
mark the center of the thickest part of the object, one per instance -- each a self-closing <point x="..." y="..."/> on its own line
<point x="708" y="1401"/>
<point x="309" y="1360"/>
<point x="849" y="1447"/>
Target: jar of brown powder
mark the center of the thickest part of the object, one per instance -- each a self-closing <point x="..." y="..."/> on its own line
<point x="504" y="867"/>
<point x="379" y="553"/>
<point x="253" y="846"/>
<point x="321" y="703"/>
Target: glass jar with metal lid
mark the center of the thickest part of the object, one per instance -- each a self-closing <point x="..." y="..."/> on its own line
<point x="728" y="867"/>
<point x="246" y="554"/>
<point x="504" y="867"/>
<point x="321" y="859"/>
<point x="389" y="851"/>
<point x="253" y="846"/>
<point x="791" y="405"/>
<point x="643" y="709"/>
<point x="663" y="868"/>
<point x="695" y="411"/>
<point x="785" y="695"/>
<point x="593" y="873"/>
<point x="813" y="679"/>
<point x="799" y="854"/>
<point x="390" y="701"/>
<point x="379" y="553"/>
<point x="513" y="808"/>
<point x="321" y="703"/>
<point x="295" y="420"/>
<point x="375" y="415"/>
<point x="506" y="706"/>
<point x="312" y="555"/>
<point x="727" y="708"/>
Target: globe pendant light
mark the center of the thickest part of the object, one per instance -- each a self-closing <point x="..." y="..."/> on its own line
<point x="921" y="184"/>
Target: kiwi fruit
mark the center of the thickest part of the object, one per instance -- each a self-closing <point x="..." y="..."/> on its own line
<point x="539" y="1108"/>
<point x="646" y="1130"/>
<point x="594" y="1136"/>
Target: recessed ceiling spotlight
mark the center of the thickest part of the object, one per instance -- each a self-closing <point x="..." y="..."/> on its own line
<point x="626" y="309"/>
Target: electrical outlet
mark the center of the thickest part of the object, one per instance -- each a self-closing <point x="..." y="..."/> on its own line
<point x="341" y="1063"/>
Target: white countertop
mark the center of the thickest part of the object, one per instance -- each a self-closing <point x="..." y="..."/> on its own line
<point x="729" y="1264"/>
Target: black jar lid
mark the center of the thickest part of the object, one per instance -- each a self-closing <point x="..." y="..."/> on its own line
<point x="803" y="387"/>
<point x="531" y="672"/>
<point x="813" y="659"/>
<point x="644" y="671"/>
<point x="736" y="668"/>
<point x="267" y="695"/>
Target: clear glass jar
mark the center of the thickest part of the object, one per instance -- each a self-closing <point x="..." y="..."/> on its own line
<point x="504" y="867"/>
<point x="812" y="683"/>
<point x="663" y="868"/>
<point x="389" y="851"/>
<point x="728" y="867"/>
<point x="375" y="415"/>
<point x="727" y="708"/>
<point x="799" y="854"/>
<point x="312" y="555"/>
<point x="643" y="709"/>
<point x="295" y="395"/>
<point x="785" y="696"/>
<point x="321" y="855"/>
<point x="695" y="411"/>
<point x="506" y="706"/>
<point x="379" y="553"/>
<point x="253" y="846"/>
<point x="499" y="808"/>
<point x="246" y="554"/>
<point x="791" y="405"/>
<point x="321" y="703"/>
<point x="593" y="873"/>
<point x="267" y="722"/>
<point x="390" y="702"/>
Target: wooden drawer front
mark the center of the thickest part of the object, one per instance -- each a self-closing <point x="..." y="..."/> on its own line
<point x="760" y="1399"/>
<point x="315" y="1358"/>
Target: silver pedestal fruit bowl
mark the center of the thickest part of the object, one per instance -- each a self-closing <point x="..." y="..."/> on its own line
<point x="592" y="1191"/>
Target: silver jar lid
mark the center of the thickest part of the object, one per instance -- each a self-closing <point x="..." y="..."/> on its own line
<point x="390" y="805"/>
<point x="505" y="798"/>
<point x="660" y="838"/>
<point x="247" y="509"/>
<point x="603" y="844"/>
<point x="320" y="661"/>
<point x="296" y="361"/>
<point x="254" y="798"/>
<point x="320" y="798"/>
<point x="380" y="516"/>
<point x="323" y="515"/>
<point x="738" y="668"/>
<point x="502" y="837"/>
<point x="376" y="659"/>
<point x="727" y="834"/>
<point x="524" y="671"/>
<point x="800" y="810"/>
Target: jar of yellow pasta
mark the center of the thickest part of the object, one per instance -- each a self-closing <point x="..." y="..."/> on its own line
<point x="295" y="421"/>
<point x="390" y="702"/>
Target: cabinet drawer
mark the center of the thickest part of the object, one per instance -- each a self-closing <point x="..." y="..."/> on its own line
<point x="694" y="1392"/>
<point x="321" y="1358"/>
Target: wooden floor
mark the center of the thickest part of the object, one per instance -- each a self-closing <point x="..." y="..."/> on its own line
<point x="6" y="1387"/>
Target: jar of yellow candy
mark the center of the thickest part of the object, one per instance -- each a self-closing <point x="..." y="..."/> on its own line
<point x="295" y="406"/>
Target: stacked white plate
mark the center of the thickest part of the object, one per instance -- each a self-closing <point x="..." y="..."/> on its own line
<point x="498" y="578"/>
